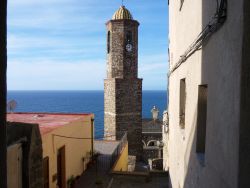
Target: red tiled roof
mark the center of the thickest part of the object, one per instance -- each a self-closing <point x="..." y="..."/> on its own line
<point x="47" y="121"/>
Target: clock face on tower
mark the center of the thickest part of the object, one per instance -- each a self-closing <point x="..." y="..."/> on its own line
<point x="129" y="47"/>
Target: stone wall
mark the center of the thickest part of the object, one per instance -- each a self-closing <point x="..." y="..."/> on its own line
<point x="165" y="129"/>
<point x="151" y="132"/>
<point x="122" y="88"/>
<point x="150" y="153"/>
<point x="244" y="139"/>
<point x="109" y="109"/>
<point x="120" y="63"/>
<point x="146" y="137"/>
<point x="123" y="111"/>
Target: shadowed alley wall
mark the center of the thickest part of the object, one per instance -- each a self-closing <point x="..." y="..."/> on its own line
<point x="217" y="65"/>
<point x="3" y="65"/>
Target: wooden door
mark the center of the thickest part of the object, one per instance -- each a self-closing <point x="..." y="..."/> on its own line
<point x="61" y="173"/>
<point x="46" y="172"/>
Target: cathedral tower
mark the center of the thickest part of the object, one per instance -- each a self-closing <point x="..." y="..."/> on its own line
<point x="123" y="88"/>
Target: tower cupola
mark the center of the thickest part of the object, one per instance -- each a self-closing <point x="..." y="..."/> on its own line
<point x="122" y="14"/>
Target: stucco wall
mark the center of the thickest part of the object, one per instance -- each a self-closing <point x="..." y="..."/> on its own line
<point x="75" y="149"/>
<point x="14" y="166"/>
<point x="29" y="136"/>
<point x="244" y="148"/>
<point x="217" y="64"/>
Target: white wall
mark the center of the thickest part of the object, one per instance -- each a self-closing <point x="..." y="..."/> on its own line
<point x="218" y="66"/>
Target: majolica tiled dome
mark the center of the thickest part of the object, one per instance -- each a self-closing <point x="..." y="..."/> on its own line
<point x="122" y="14"/>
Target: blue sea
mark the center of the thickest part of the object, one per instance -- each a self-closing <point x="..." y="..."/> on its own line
<point x="80" y="102"/>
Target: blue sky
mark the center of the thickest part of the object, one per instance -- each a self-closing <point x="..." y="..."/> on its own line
<point x="61" y="44"/>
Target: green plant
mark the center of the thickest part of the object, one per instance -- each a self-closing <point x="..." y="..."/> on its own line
<point x="71" y="181"/>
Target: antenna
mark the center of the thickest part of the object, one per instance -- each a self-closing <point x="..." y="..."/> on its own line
<point x="11" y="106"/>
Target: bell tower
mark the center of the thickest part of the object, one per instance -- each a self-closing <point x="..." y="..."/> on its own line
<point x="123" y="88"/>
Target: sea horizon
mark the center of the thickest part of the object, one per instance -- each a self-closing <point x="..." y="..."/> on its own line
<point x="80" y="101"/>
<point x="76" y="90"/>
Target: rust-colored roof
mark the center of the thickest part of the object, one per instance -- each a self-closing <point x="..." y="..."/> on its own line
<point x="47" y="121"/>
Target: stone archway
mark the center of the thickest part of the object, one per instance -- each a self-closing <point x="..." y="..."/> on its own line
<point x="152" y="143"/>
<point x="144" y="143"/>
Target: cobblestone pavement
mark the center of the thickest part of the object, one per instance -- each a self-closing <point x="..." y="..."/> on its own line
<point x="98" y="176"/>
<point x="92" y="178"/>
<point x="153" y="181"/>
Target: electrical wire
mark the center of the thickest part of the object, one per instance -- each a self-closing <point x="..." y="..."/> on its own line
<point x="81" y="138"/>
<point x="216" y="22"/>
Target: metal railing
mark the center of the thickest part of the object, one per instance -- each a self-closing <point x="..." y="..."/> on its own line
<point x="118" y="149"/>
<point x="106" y="162"/>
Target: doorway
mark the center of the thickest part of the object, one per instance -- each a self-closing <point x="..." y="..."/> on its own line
<point x="61" y="182"/>
<point x="46" y="172"/>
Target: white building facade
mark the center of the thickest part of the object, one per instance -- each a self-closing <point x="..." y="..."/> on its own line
<point x="208" y="143"/>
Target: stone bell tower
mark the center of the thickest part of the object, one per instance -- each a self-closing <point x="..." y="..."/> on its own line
<point x="123" y="88"/>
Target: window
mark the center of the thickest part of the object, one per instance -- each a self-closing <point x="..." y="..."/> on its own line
<point x="108" y="42"/>
<point x="182" y="103"/>
<point x="61" y="168"/>
<point x="201" y="120"/>
<point x="129" y="37"/>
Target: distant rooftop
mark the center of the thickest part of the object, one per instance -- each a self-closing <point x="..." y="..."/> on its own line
<point x="149" y="125"/>
<point x="47" y="121"/>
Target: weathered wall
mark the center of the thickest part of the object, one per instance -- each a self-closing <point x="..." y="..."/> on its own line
<point x="122" y="88"/>
<point x="165" y="133"/>
<point x="109" y="109"/>
<point x="32" y="167"/>
<point x="14" y="166"/>
<point x="244" y="139"/>
<point x="3" y="93"/>
<point x="217" y="64"/>
<point x="147" y="137"/>
<point x="120" y="63"/>
<point x="151" y="152"/>
<point x="75" y="149"/>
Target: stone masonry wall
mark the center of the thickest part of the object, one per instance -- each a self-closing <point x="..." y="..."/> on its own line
<point x="122" y="88"/>
<point x="126" y="116"/>
<point x="120" y="63"/>
<point x="109" y="109"/>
